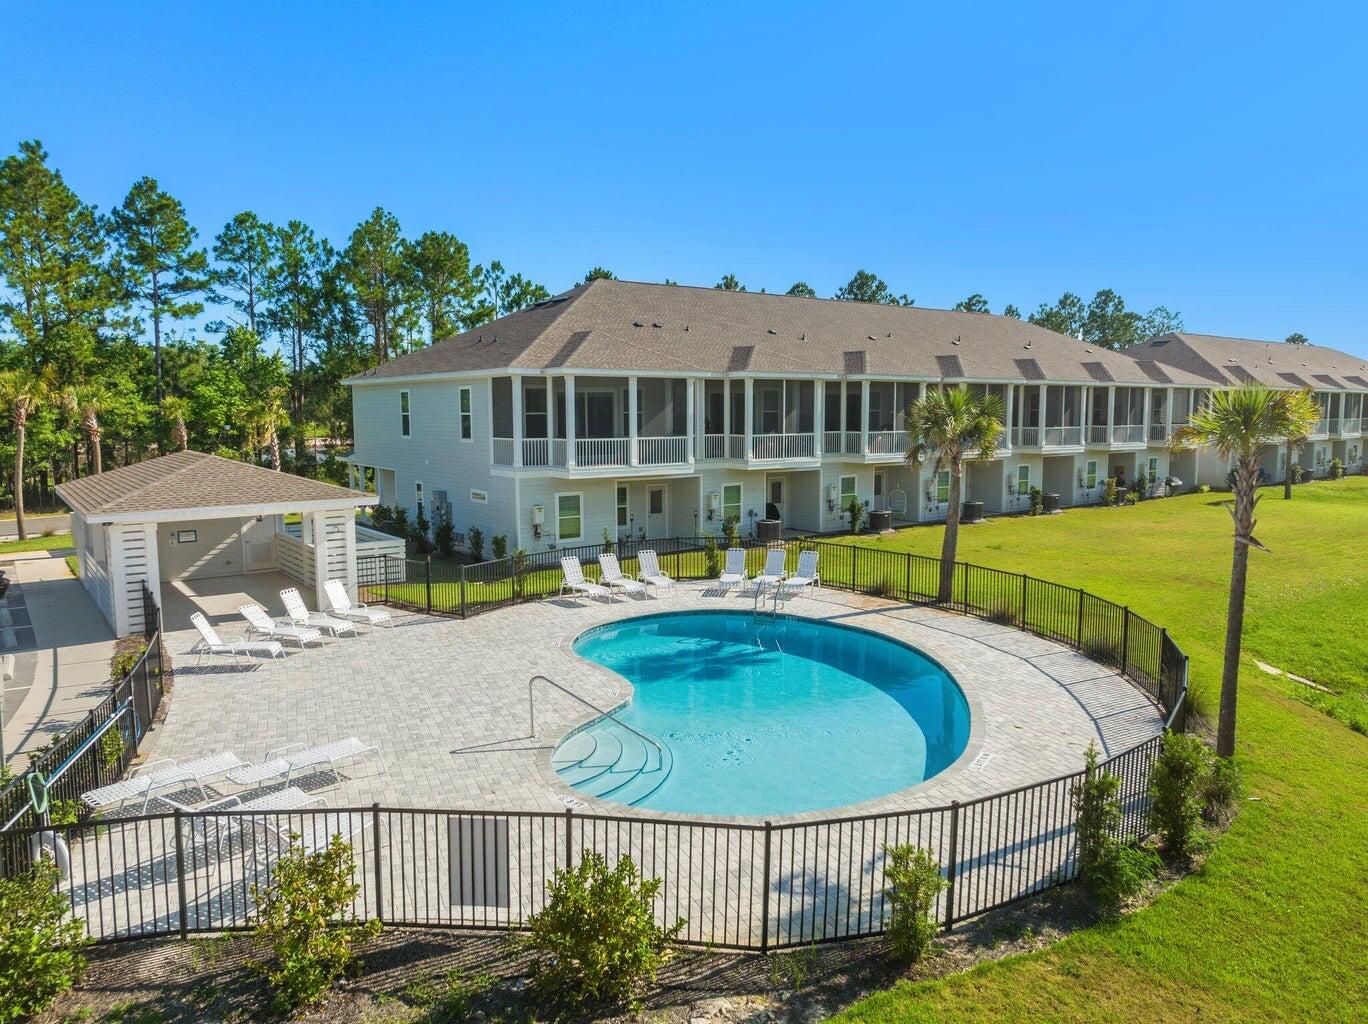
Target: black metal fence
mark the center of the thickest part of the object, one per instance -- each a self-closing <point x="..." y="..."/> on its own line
<point x="742" y="885"/>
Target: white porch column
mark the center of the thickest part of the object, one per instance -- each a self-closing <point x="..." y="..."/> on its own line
<point x="691" y="418"/>
<point x="1011" y="408"/>
<point x="570" y="421"/>
<point x="1084" y="411"/>
<point x="517" y="390"/>
<point x="1168" y="413"/>
<point x="749" y="412"/>
<point x="864" y="416"/>
<point x="818" y="416"/>
<point x="631" y="421"/>
<point x="1111" y="411"/>
<point x="1044" y="405"/>
<point x="1145" y="413"/>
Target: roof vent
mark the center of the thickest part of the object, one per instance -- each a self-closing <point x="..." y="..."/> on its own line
<point x="637" y="323"/>
<point x="803" y="336"/>
<point x="956" y="341"/>
<point x="654" y="324"/>
<point x="1030" y="343"/>
<point x="686" y="327"/>
<point x="770" y="330"/>
<point x="870" y="337"/>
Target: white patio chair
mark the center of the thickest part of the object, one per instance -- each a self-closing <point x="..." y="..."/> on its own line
<point x="298" y="613"/>
<point x="272" y="825"/>
<point x="145" y="780"/>
<point x="649" y="571"/>
<point x="210" y="642"/>
<point x="573" y="580"/>
<point x="897" y="502"/>
<point x="341" y="605"/>
<point x="734" y="570"/>
<point x="610" y="573"/>
<point x="805" y="576"/>
<point x="773" y="573"/>
<point x="285" y="762"/>
<point x="260" y="622"/>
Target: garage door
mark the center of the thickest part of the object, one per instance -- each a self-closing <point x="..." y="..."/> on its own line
<point x="200" y="549"/>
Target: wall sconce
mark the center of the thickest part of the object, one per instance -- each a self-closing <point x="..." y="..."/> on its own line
<point x="831" y="497"/>
<point x="714" y="503"/>
<point x="538" y="520"/>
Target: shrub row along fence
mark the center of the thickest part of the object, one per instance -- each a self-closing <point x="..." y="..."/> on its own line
<point x="742" y="885"/>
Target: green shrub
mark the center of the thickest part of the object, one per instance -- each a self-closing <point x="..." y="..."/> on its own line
<point x="1222" y="790"/>
<point x="1111" y="495"/>
<point x="63" y="813"/>
<point x="912" y="881"/>
<point x="418" y="533"/>
<point x="302" y="921"/>
<point x="520" y="564"/>
<point x="499" y="545"/>
<point x="444" y="535"/>
<point x="730" y="536"/>
<point x="1336" y="469"/>
<point x="1113" y="871"/>
<point x="399" y="521"/>
<point x="127" y="651"/>
<point x="855" y="513"/>
<point x="1176" y="784"/>
<point x="111" y="747"/>
<point x="1202" y="489"/>
<point x="40" y="944"/>
<point x="608" y="542"/>
<point x="596" y="939"/>
<point x="475" y="541"/>
<point x="712" y="559"/>
<point x="1037" y="501"/>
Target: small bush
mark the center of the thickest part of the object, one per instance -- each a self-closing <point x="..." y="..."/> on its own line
<point x="855" y="513"/>
<point x="301" y="920"/>
<point x="399" y="521"/>
<point x="1222" y="790"/>
<point x="712" y="559"/>
<point x="111" y="747"/>
<point x="40" y="945"/>
<point x="498" y="545"/>
<point x="1176" y="785"/>
<point x="520" y="566"/>
<point x="912" y="881"/>
<point x="64" y="813"/>
<point x="444" y="536"/>
<point x="475" y="541"/>
<point x="1336" y="469"/>
<point x="1202" y="489"/>
<point x="608" y="542"/>
<point x="1111" y="494"/>
<point x="1113" y="871"/>
<point x="730" y="535"/>
<point x="1037" y="501"/>
<point x="596" y="940"/>
<point x="127" y="651"/>
<point x="418" y="533"/>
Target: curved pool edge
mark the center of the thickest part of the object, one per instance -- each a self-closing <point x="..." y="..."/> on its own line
<point x="607" y="808"/>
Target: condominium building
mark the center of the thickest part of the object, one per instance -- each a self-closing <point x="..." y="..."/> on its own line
<point x="640" y="410"/>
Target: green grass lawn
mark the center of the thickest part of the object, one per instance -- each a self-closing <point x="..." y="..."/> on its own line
<point x="1275" y="927"/>
<point x="53" y="543"/>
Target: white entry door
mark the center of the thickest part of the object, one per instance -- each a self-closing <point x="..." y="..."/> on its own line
<point x="258" y="543"/>
<point x="657" y="513"/>
<point x="774" y="493"/>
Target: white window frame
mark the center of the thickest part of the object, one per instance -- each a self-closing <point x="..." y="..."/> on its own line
<point x="843" y="501"/>
<point x="740" y="500"/>
<point x="943" y="475"/>
<point x="405" y="413"/>
<point x="1090" y="473"/>
<point x="465" y="416"/>
<point x="1153" y="470"/>
<point x="622" y="495"/>
<point x="1026" y="487"/>
<point x="579" y="497"/>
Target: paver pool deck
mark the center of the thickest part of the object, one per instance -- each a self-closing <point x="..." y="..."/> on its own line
<point x="447" y="702"/>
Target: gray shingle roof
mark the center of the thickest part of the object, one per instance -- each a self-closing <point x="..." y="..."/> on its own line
<point x="189" y="480"/>
<point x="1224" y="361"/>
<point x="611" y="326"/>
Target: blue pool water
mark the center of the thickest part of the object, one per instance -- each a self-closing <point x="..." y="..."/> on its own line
<point x="762" y="716"/>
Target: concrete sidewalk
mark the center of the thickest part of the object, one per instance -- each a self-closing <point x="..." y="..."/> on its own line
<point x="62" y="646"/>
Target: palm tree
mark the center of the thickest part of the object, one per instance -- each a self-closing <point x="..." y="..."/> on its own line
<point x="956" y="424"/>
<point x="1237" y="424"/>
<point x="21" y="392"/>
<point x="85" y="402"/>
<point x="265" y="417"/>
<point x="173" y="409"/>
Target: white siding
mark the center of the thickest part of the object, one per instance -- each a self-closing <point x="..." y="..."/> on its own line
<point x="215" y="551"/>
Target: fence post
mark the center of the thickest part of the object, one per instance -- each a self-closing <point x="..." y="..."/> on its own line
<point x="952" y="869"/>
<point x="1165" y="695"/>
<point x="569" y="840"/>
<point x="427" y="580"/>
<point x="765" y="902"/>
<point x="379" y="882"/>
<point x="180" y="877"/>
<point x="1125" y="639"/>
<point x="1024" y="617"/>
<point x="853" y="549"/>
<point x="1079" y="639"/>
<point x="907" y="577"/>
<point x="463" y="585"/>
<point x="95" y="761"/>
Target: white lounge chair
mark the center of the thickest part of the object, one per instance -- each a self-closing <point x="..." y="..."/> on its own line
<point x="575" y="583"/>
<point x="610" y="573"/>
<point x="210" y="642"/>
<point x="260" y="622"/>
<point x="298" y="613"/>
<point x="650" y="574"/>
<point x="341" y="605"/>
<point x="285" y="762"/>
<point x="773" y="573"/>
<point x="734" y="571"/>
<point x="805" y="576"/>
<point x="146" y="780"/>
<point x="271" y="824"/>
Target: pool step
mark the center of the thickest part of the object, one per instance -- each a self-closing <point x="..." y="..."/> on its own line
<point x="588" y="755"/>
<point x="612" y="763"/>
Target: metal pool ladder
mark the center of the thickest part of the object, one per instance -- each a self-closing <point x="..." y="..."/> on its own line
<point x="532" y="716"/>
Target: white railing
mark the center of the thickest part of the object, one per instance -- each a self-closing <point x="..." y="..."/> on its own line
<point x="853" y="442"/>
<point x="1332" y="426"/>
<point x="1061" y="437"/>
<point x="1350" y="427"/>
<point x="536" y="451"/>
<point x="887" y="442"/>
<point x="295" y="558"/>
<point x="736" y="446"/>
<point x="503" y="451"/>
<point x="558" y="451"/>
<point x="1128" y="433"/>
<point x="832" y="441"/>
<point x="601" y="451"/>
<point x="1158" y="432"/>
<point x="1027" y="437"/>
<point x="1322" y="426"/>
<point x="1097" y="433"/>
<point x="662" y="451"/>
<point x="783" y="446"/>
<point x="714" y="446"/>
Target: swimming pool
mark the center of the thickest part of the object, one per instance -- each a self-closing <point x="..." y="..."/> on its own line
<point x="735" y="714"/>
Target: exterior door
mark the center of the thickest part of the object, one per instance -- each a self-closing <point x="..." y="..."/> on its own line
<point x="774" y="494"/>
<point x="657" y="513"/>
<point x="258" y="544"/>
<point x="879" y="490"/>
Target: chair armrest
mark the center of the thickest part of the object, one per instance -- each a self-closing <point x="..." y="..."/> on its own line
<point x="149" y="764"/>
<point x="271" y="754"/>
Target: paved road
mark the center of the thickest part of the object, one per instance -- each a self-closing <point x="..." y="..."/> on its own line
<point x="60" y="523"/>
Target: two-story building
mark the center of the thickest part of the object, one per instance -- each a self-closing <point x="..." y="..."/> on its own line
<point x="657" y="410"/>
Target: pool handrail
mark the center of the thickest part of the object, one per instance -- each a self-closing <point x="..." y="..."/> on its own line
<point x="532" y="716"/>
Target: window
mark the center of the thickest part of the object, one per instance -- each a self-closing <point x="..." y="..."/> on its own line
<point x="771" y="412"/>
<point x="569" y="521"/>
<point x="1091" y="476"/>
<point x="626" y="410"/>
<point x="467" y="427"/>
<point x="534" y="412"/>
<point x="622" y="507"/>
<point x="731" y="502"/>
<point x="418" y="498"/>
<point x="1154" y="468"/>
<point x="404" y="423"/>
<point x="1023" y="479"/>
<point x="656" y="501"/>
<point x="847" y="491"/>
<point x="943" y="485"/>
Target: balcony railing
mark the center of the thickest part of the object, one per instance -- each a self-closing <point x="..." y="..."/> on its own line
<point x="1332" y="426"/>
<point x="1350" y="427"/>
<point x="536" y="451"/>
<point x="1027" y="437"/>
<point x="601" y="451"/>
<point x="503" y="451"/>
<point x="714" y="446"/>
<point x="1158" y="432"/>
<point x="853" y="442"/>
<point x="662" y="451"/>
<point x="887" y="442"/>
<point x="736" y="446"/>
<point x="1128" y="433"/>
<point x="1322" y="426"/>
<point x="1061" y="437"/>
<point x="783" y="446"/>
<point x="832" y="441"/>
<point x="1097" y="433"/>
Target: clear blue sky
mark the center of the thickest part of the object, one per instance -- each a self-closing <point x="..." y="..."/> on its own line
<point x="1211" y="159"/>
